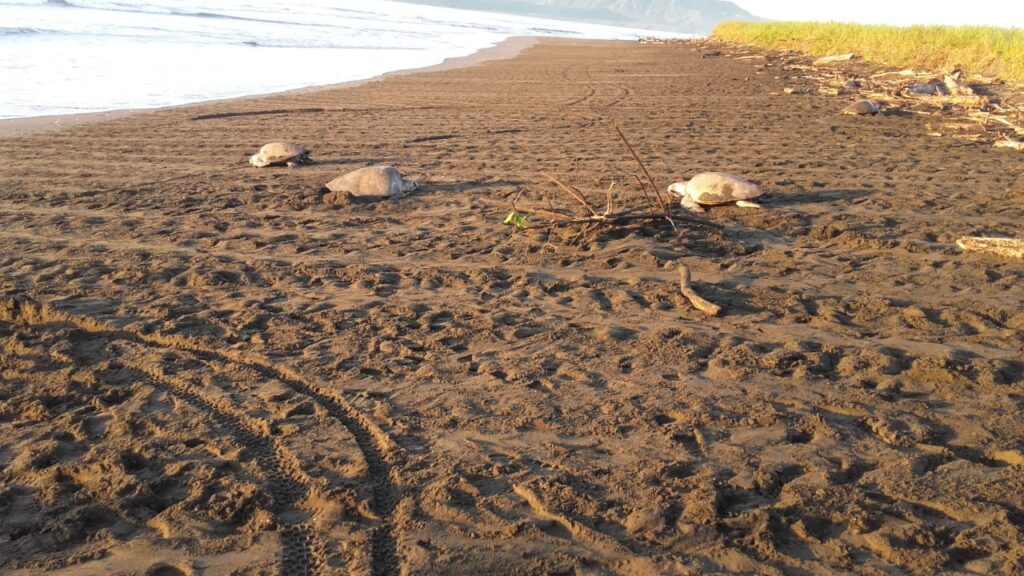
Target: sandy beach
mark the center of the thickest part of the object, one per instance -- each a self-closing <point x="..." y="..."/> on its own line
<point x="205" y="369"/>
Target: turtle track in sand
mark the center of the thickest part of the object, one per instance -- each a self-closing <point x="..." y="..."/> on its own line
<point x="301" y="553"/>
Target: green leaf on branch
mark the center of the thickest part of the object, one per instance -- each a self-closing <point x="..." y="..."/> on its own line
<point x="517" y="219"/>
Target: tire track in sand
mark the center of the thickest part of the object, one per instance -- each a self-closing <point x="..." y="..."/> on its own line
<point x="373" y="442"/>
<point x="299" y="551"/>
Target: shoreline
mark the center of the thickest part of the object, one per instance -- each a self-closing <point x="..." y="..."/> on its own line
<point x="507" y="48"/>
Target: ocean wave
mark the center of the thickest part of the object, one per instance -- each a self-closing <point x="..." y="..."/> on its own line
<point x="5" y="32"/>
<point x="159" y="9"/>
<point x="311" y="14"/>
<point x="552" y="32"/>
<point x="258" y="44"/>
<point x="218" y="16"/>
<point x="71" y="55"/>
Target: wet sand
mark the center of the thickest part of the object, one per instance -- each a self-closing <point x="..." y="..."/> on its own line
<point x="39" y="124"/>
<point x="207" y="370"/>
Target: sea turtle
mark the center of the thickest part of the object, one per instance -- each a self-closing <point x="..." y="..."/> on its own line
<point x="713" y="188"/>
<point x="932" y="88"/>
<point x="373" y="183"/>
<point x="280" y="154"/>
<point x="862" y="108"/>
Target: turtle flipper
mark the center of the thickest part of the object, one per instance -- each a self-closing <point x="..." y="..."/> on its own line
<point x="748" y="204"/>
<point x="300" y="160"/>
<point x="691" y="205"/>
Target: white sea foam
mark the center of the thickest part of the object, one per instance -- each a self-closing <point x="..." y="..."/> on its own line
<point x="70" y="56"/>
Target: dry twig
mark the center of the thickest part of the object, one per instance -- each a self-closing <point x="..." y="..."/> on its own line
<point x="643" y="167"/>
<point x="698" y="302"/>
<point x="575" y="194"/>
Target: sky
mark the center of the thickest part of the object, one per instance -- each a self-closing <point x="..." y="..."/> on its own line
<point x="898" y="12"/>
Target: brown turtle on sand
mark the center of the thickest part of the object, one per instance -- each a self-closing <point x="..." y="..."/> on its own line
<point x="862" y="108"/>
<point x="373" y="183"/>
<point x="713" y="188"/>
<point x="280" y="154"/>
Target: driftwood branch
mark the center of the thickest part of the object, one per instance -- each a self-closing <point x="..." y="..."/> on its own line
<point x="613" y="215"/>
<point x="1011" y="144"/>
<point x="643" y="189"/>
<point x="626" y="216"/>
<point x="1010" y="247"/>
<point x="643" y="168"/>
<point x="573" y="193"/>
<point x="698" y="302"/>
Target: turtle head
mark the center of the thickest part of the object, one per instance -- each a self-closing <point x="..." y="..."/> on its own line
<point x="679" y="188"/>
<point x="409" y="186"/>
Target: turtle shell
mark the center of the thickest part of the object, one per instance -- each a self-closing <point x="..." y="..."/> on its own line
<point x="861" y="108"/>
<point x="712" y="188"/>
<point x="278" y="153"/>
<point x="372" y="183"/>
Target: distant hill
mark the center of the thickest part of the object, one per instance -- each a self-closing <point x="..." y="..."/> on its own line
<point x="689" y="16"/>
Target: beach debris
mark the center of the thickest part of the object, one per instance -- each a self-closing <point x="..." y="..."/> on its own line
<point x="698" y="302"/>
<point x="953" y="81"/>
<point x="1010" y="247"/>
<point x="834" y="58"/>
<point x="862" y="108"/>
<point x="970" y="131"/>
<point x="371" y="184"/>
<point x="933" y="88"/>
<point x="995" y="104"/>
<point x="1010" y="143"/>
<point x="715" y="188"/>
<point x="280" y="154"/>
<point x="656" y="206"/>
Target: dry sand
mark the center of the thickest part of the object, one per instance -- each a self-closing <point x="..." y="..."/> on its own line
<point x="206" y="370"/>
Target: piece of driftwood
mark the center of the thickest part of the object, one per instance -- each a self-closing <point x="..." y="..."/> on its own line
<point x="834" y="58"/>
<point x="698" y="302"/>
<point x="1011" y="144"/>
<point x="955" y="85"/>
<point x="1010" y="247"/>
<point x="985" y="118"/>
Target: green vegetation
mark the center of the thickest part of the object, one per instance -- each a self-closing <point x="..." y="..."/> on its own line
<point x="976" y="49"/>
<point x="517" y="219"/>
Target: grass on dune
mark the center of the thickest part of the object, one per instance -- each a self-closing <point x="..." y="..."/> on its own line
<point x="977" y="49"/>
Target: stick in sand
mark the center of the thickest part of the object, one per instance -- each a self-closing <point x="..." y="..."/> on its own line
<point x="1010" y="247"/>
<point x="694" y="298"/>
